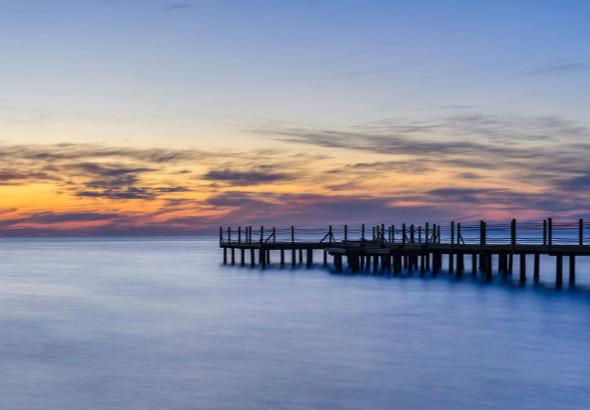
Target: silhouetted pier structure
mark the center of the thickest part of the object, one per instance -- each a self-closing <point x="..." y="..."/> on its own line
<point x="490" y="247"/>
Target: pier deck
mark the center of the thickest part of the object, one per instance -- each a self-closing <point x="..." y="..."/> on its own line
<point x="416" y="248"/>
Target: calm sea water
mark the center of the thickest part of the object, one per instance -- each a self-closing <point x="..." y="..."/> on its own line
<point x="159" y="324"/>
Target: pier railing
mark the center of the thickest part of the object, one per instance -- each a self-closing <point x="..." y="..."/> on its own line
<point x="546" y="232"/>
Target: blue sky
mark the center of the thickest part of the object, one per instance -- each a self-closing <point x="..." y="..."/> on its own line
<point x="271" y="101"/>
<point x="327" y="62"/>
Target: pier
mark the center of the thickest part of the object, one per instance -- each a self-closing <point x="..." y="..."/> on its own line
<point x="490" y="248"/>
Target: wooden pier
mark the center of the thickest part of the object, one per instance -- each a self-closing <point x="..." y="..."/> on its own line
<point x="490" y="247"/>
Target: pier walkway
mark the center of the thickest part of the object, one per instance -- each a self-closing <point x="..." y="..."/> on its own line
<point x="489" y="247"/>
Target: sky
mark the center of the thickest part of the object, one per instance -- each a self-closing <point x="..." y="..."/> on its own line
<point x="156" y="117"/>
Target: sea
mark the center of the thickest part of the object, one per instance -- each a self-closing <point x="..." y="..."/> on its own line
<point x="161" y="323"/>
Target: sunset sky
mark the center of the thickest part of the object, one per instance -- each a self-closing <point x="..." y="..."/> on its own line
<point x="173" y="117"/>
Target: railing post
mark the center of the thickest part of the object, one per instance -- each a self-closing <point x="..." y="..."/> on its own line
<point x="261" y="234"/>
<point x="412" y="233"/>
<point x="274" y="234"/>
<point x="292" y="234"/>
<point x="550" y="231"/>
<point x="392" y="233"/>
<point x="404" y="234"/>
<point x="544" y="232"/>
<point x="420" y="234"/>
<point x="239" y="234"/>
<point x="330" y="234"/>
<point x="426" y="232"/>
<point x="452" y="232"/>
<point x="581" y="232"/>
<point x="345" y="233"/>
<point x="220" y="235"/>
<point x="382" y="232"/>
<point x="459" y="233"/>
<point x="513" y="232"/>
<point x="362" y="232"/>
<point x="229" y="234"/>
<point x="482" y="233"/>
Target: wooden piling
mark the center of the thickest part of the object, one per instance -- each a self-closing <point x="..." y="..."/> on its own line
<point x="460" y="264"/>
<point x="558" y="270"/>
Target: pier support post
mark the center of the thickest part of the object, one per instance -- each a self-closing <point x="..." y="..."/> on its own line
<point x="572" y="272"/>
<point x="502" y="263"/>
<point x="309" y="257"/>
<point x="422" y="263"/>
<point x="460" y="264"/>
<point x="488" y="266"/>
<point x="325" y="257"/>
<point x="225" y="256"/>
<point x="451" y="259"/>
<point x="474" y="264"/>
<point x="242" y="257"/>
<point x="559" y="270"/>
<point x="262" y="257"/>
<point x="300" y="256"/>
<point x="522" y="260"/>
<point x="233" y="256"/>
<point x="537" y="267"/>
<point x="375" y="263"/>
<point x="252" y="257"/>
<point x="282" y="257"/>
<point x="338" y="262"/>
<point x="293" y="256"/>
<point x="435" y="263"/>
<point x="451" y="262"/>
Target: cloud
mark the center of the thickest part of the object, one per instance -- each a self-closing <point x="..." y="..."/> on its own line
<point x="108" y="170"/>
<point x="20" y="177"/>
<point x="574" y="184"/>
<point x="317" y="209"/>
<point x="126" y="173"/>
<point x="263" y="175"/>
<point x="466" y="167"/>
<point x="475" y="141"/>
<point x="558" y="67"/>
<point x="55" y="217"/>
<point x="80" y="152"/>
<point x="119" y="193"/>
<point x="182" y="5"/>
